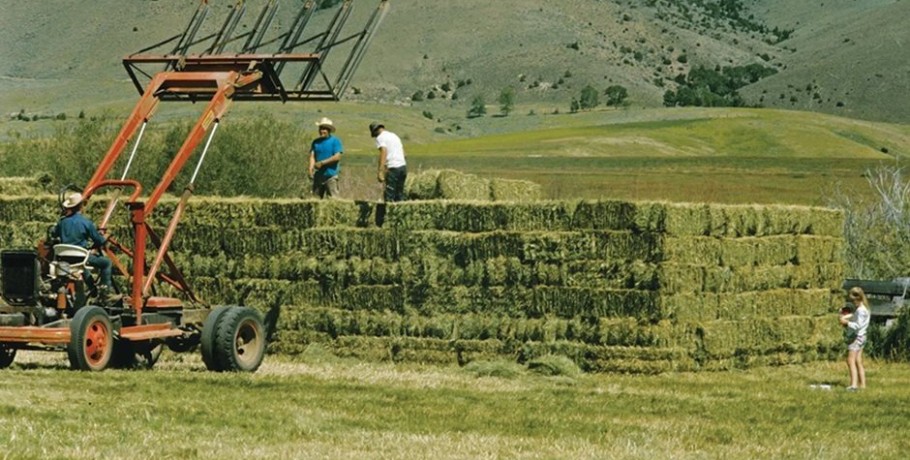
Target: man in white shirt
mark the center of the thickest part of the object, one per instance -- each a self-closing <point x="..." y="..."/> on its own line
<point x="392" y="168"/>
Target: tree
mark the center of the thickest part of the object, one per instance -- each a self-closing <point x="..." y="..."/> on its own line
<point x="589" y="98"/>
<point x="573" y="107"/>
<point x="616" y="95"/>
<point x="506" y="100"/>
<point x="478" y="107"/>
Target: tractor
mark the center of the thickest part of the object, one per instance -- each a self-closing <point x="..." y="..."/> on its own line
<point x="50" y="298"/>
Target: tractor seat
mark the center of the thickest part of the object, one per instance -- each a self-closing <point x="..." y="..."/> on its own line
<point x="75" y="256"/>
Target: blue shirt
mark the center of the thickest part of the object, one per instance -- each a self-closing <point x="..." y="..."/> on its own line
<point x="77" y="230"/>
<point x="323" y="148"/>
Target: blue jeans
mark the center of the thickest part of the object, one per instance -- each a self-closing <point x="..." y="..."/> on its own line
<point x="394" y="184"/>
<point x="105" y="266"/>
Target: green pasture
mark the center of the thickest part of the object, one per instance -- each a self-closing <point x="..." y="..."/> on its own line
<point x="321" y="407"/>
<point x="690" y="155"/>
<point x="728" y="156"/>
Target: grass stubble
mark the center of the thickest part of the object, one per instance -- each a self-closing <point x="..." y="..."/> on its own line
<point x="323" y="407"/>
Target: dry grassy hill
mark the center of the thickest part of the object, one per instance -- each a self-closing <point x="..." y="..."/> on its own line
<point x="837" y="56"/>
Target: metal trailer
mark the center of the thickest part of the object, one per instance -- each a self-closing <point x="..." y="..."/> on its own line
<point x="49" y="300"/>
<point x="886" y="298"/>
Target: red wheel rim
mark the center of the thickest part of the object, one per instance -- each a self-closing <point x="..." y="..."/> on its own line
<point x="97" y="338"/>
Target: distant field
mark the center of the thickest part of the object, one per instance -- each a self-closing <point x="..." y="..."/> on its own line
<point x="695" y="155"/>
<point x="720" y="155"/>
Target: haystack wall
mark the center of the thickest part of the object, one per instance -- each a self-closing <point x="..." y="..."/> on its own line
<point x="617" y="286"/>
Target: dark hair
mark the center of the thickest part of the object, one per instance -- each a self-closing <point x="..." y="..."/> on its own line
<point x="374" y="126"/>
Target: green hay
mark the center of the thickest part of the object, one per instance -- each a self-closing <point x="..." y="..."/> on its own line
<point x="479" y="217"/>
<point x="514" y="190"/>
<point x="615" y="286"/>
<point x="758" y="337"/>
<point x="454" y="185"/>
<point x="40" y="184"/>
<point x="497" y="368"/>
<point x="423" y="185"/>
<point x="619" y="215"/>
<point x="554" y="365"/>
<point x="733" y="221"/>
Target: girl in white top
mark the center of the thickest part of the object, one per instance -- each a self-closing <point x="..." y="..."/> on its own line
<point x="857" y="324"/>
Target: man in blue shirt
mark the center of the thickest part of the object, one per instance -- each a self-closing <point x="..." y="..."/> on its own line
<point x="76" y="229"/>
<point x="325" y="160"/>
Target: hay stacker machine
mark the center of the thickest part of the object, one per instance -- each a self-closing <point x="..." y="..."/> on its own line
<point x="49" y="296"/>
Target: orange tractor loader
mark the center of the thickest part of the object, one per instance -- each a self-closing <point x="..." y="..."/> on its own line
<point x="49" y="295"/>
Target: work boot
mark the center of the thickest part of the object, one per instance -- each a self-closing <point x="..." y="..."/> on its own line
<point x="107" y="297"/>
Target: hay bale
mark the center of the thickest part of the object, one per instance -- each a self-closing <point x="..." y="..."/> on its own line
<point x="455" y="185"/>
<point x="514" y="190"/>
<point x="40" y="184"/>
<point x="423" y="185"/>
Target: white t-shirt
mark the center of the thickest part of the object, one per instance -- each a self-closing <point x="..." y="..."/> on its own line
<point x="394" y="150"/>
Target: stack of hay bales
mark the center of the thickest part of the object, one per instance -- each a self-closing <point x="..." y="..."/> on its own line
<point x="616" y="286"/>
<point x="22" y="186"/>
<point x="454" y="185"/>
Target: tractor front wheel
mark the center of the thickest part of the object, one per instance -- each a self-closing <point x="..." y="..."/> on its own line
<point x="91" y="339"/>
<point x="7" y="356"/>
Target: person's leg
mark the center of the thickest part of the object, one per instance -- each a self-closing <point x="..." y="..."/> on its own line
<point x="399" y="185"/>
<point x="318" y="188"/>
<point x="331" y="188"/>
<point x="394" y="184"/>
<point x="104" y="265"/>
<point x="860" y="369"/>
<point x="851" y="364"/>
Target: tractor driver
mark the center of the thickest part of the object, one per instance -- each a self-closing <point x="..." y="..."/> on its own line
<point x="76" y="229"/>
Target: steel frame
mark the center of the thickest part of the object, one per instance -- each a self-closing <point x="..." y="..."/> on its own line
<point x="219" y="79"/>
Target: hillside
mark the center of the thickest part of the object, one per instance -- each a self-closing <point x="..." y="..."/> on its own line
<point x="838" y="56"/>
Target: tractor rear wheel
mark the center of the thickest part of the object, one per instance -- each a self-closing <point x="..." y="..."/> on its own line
<point x="7" y="356"/>
<point x="239" y="341"/>
<point x="207" y="339"/>
<point x="91" y="339"/>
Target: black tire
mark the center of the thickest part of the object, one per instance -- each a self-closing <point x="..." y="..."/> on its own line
<point x="239" y="340"/>
<point x="207" y="338"/>
<point x="184" y="343"/>
<point x="7" y="356"/>
<point x="136" y="355"/>
<point x="91" y="339"/>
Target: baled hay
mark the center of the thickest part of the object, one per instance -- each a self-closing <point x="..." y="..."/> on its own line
<point x="514" y="190"/>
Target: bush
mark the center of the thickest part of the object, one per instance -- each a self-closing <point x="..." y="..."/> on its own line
<point x="589" y="98"/>
<point x="478" y="107"/>
<point x="877" y="239"/>
<point x="257" y="157"/>
<point x="616" y="94"/>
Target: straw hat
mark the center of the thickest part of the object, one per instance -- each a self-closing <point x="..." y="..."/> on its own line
<point x="72" y="201"/>
<point x="327" y="123"/>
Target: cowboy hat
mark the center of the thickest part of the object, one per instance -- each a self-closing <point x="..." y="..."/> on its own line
<point x="72" y="201"/>
<point x="325" y="122"/>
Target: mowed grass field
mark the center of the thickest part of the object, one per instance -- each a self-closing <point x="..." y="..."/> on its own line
<point x="327" y="408"/>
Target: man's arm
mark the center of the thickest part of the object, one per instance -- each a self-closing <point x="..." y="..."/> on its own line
<point x="95" y="235"/>
<point x="383" y="154"/>
<point x="330" y="160"/>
